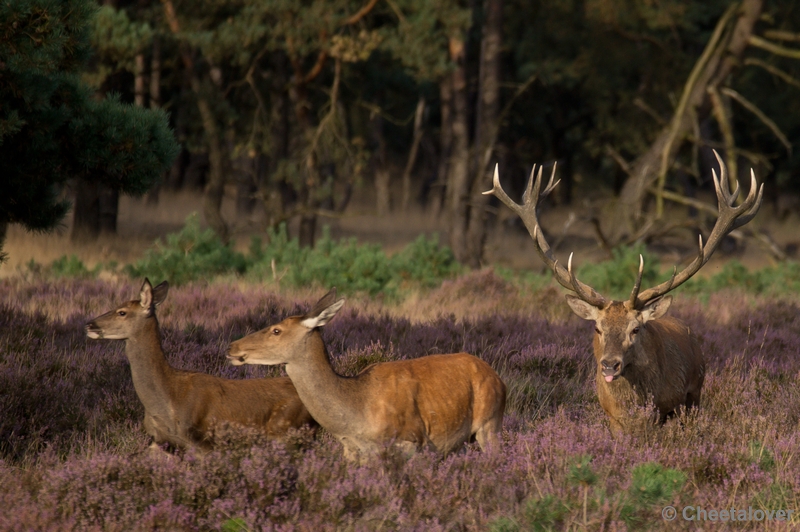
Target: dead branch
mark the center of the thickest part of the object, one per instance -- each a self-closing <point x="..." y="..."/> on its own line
<point x="791" y="80"/>
<point x="771" y="47"/>
<point x="744" y="102"/>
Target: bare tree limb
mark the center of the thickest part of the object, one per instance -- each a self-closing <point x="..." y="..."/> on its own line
<point x="361" y="13"/>
<point x="782" y="35"/>
<point x="712" y="48"/>
<point x="724" y="122"/>
<point x="744" y="102"/>
<point x="791" y="80"/>
<point x="771" y="47"/>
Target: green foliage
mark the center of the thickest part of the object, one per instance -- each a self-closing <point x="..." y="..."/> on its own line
<point x="235" y="524"/>
<point x="614" y="278"/>
<point x="53" y="129"/>
<point x="651" y="485"/>
<point x="761" y="455"/>
<point x="580" y="472"/>
<point x="70" y="266"/>
<point x="353" y="267"/>
<point x="426" y="262"/>
<point x="188" y="255"/>
<point x="194" y="253"/>
<point x="775" y="280"/>
<point x="654" y="484"/>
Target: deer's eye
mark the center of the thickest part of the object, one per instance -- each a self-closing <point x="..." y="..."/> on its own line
<point x="597" y="330"/>
<point x="122" y="313"/>
<point x="635" y="330"/>
<point x="276" y="331"/>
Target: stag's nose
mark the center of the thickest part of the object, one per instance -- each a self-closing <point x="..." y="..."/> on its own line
<point x="611" y="369"/>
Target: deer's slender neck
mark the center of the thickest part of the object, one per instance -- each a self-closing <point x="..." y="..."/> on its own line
<point x="149" y="368"/>
<point x="331" y="399"/>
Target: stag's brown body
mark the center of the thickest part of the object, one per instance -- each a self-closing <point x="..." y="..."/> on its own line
<point x="641" y="354"/>
<point x="436" y="402"/>
<point x="181" y="407"/>
<point x="665" y="365"/>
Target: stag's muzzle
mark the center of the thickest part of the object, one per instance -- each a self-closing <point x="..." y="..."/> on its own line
<point x="611" y="369"/>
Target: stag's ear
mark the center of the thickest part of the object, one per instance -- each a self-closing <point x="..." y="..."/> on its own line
<point x="655" y="308"/>
<point x="582" y="308"/>
<point x="146" y="294"/>
<point x="160" y="293"/>
<point x="317" y="317"/>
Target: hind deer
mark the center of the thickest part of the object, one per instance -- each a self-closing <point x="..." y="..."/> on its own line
<point x="437" y="402"/>
<point x="181" y="407"/>
<point x="640" y="352"/>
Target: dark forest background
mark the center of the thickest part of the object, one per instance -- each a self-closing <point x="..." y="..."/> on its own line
<point x="297" y="106"/>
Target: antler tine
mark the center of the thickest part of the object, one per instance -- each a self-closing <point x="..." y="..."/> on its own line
<point x="729" y="218"/>
<point x="753" y="199"/>
<point x="638" y="283"/>
<point x="527" y="212"/>
<point x="578" y="287"/>
<point x="532" y="186"/>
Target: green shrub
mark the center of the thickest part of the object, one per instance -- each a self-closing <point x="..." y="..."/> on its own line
<point x="425" y="262"/>
<point x="652" y="484"/>
<point x="188" y="255"/>
<point x="614" y="278"/>
<point x="774" y="280"/>
<point x="71" y="266"/>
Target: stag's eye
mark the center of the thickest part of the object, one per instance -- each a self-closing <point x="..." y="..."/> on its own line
<point x="276" y="331"/>
<point x="635" y="330"/>
<point x="121" y="313"/>
<point x="597" y="330"/>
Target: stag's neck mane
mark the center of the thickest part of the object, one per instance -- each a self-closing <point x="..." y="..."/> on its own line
<point x="333" y="400"/>
<point x="150" y="370"/>
<point x="647" y="370"/>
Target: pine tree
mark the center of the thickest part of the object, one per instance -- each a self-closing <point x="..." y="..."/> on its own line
<point x="52" y="129"/>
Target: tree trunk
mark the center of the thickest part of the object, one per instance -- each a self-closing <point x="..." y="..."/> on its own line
<point x="86" y="211"/>
<point x="722" y="54"/>
<point x="308" y="230"/>
<point x="215" y="187"/>
<point x="138" y="81"/>
<point x="412" y="154"/>
<point x="458" y="175"/>
<point x="486" y="127"/>
<point x="439" y="192"/>
<point x="381" y="172"/>
<point x="3" y="235"/>
<point x="155" y="102"/>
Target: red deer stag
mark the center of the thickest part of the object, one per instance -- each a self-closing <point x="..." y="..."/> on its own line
<point x="640" y="353"/>
<point x="437" y="401"/>
<point x="180" y="407"/>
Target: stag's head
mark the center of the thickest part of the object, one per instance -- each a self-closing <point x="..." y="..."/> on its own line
<point x="284" y="342"/>
<point x="124" y="321"/>
<point x="620" y="325"/>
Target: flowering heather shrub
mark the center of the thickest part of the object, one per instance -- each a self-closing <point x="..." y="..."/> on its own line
<point x="72" y="446"/>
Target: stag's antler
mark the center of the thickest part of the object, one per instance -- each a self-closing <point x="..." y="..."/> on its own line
<point x="527" y="212"/>
<point x="729" y="218"/>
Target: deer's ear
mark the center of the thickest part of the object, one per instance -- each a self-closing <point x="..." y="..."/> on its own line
<point x="160" y="293"/>
<point x="582" y="308"/>
<point x="655" y="309"/>
<point x="319" y="317"/>
<point x="146" y="294"/>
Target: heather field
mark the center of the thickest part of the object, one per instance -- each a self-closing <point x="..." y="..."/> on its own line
<point x="71" y="439"/>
